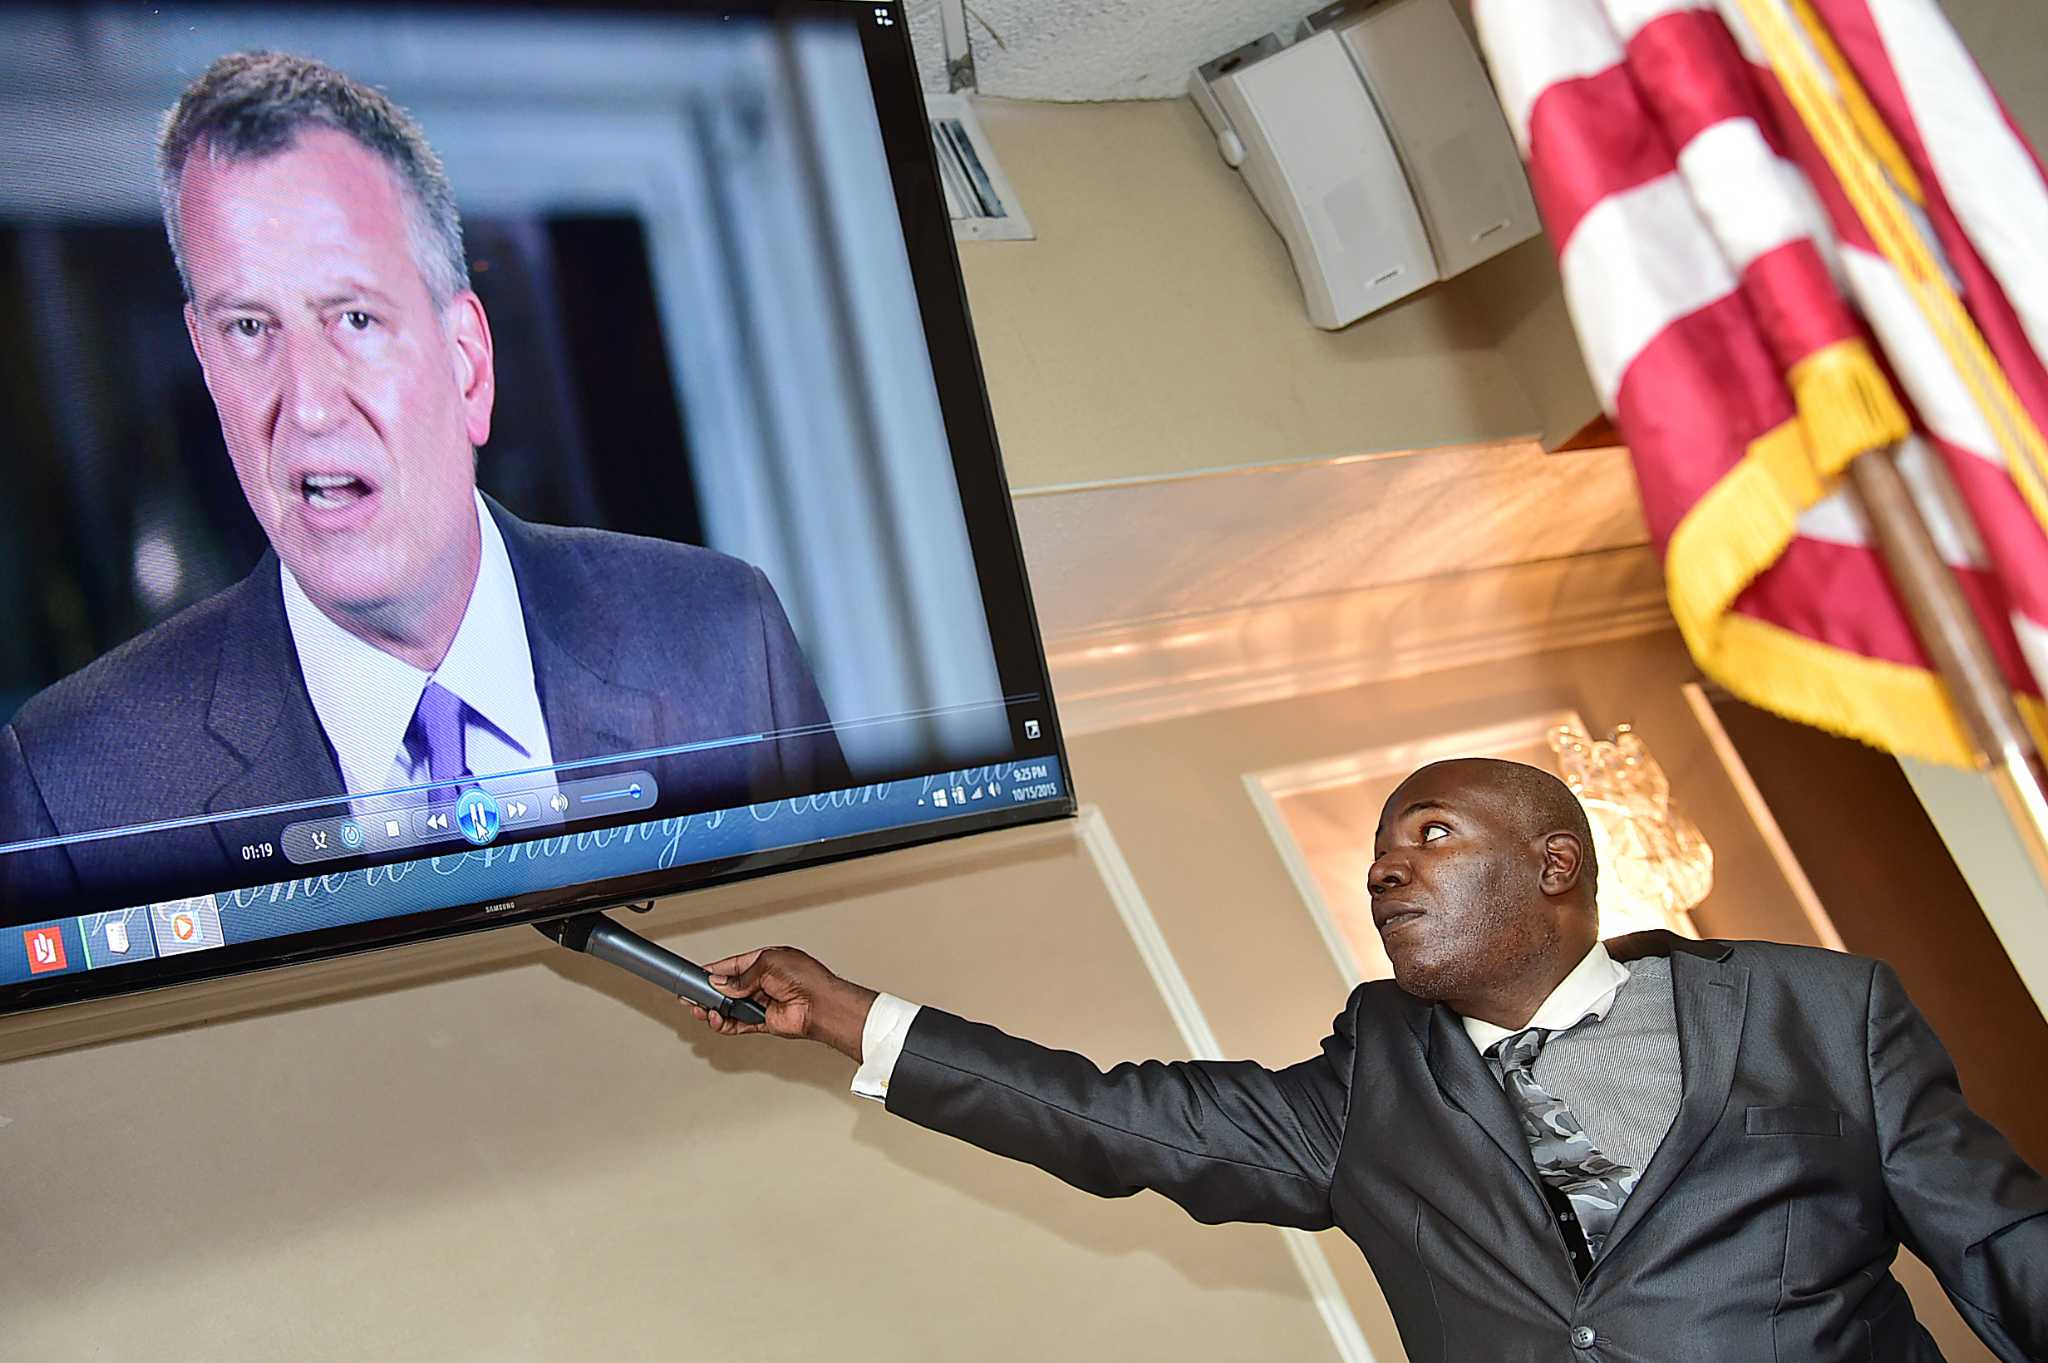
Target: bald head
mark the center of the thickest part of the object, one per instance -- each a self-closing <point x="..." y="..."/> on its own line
<point x="1482" y="885"/>
<point x="1531" y="802"/>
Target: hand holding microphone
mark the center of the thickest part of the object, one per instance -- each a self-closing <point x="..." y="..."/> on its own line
<point x="798" y="997"/>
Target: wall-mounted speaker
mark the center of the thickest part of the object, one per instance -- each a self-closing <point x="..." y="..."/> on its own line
<point x="1376" y="146"/>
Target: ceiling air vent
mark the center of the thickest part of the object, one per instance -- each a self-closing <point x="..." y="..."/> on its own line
<point x="978" y="194"/>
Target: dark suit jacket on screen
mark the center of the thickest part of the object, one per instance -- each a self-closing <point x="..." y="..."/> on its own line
<point x="1820" y="1125"/>
<point x="637" y="643"/>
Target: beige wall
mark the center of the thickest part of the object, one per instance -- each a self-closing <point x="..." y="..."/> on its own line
<point x="1156" y="325"/>
<point x="2009" y="39"/>
<point x="1541" y="346"/>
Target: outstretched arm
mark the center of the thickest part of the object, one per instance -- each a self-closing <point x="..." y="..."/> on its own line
<point x="1228" y="1141"/>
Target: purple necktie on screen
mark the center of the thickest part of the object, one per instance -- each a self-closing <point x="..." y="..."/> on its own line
<point x="436" y="734"/>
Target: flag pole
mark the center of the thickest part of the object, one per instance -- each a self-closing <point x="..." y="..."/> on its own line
<point x="1948" y="629"/>
<point x="1873" y="172"/>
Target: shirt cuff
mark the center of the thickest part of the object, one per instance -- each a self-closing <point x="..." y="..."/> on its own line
<point x="881" y="1042"/>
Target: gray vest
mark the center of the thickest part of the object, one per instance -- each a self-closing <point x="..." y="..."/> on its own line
<point x="1620" y="1075"/>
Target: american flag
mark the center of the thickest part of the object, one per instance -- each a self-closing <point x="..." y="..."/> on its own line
<point x="1721" y="183"/>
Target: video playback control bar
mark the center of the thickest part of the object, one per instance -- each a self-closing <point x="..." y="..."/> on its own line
<point x="476" y="817"/>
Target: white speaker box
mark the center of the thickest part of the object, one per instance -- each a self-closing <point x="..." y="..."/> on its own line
<point x="1376" y="147"/>
<point x="1419" y="65"/>
<point x="1298" y="124"/>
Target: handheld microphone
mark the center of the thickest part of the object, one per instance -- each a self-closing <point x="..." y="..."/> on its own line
<point x="599" y="936"/>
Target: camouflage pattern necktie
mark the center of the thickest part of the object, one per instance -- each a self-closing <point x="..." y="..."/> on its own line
<point x="1566" y="1157"/>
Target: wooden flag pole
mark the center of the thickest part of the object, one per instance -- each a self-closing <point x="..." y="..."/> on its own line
<point x="1873" y="173"/>
<point x="1962" y="656"/>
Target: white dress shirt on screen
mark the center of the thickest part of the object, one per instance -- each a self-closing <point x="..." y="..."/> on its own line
<point x="365" y="698"/>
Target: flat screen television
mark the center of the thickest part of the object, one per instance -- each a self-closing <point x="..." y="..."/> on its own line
<point x="467" y="464"/>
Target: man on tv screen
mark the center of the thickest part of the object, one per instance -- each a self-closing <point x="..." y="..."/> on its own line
<point x="405" y="634"/>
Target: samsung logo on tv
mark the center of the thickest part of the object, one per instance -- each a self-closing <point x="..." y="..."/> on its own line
<point x="501" y="906"/>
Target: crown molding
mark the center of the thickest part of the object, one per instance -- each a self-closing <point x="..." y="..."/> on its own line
<point x="1187" y="664"/>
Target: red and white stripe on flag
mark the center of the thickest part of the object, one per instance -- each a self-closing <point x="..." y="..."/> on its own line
<point x="1741" y="326"/>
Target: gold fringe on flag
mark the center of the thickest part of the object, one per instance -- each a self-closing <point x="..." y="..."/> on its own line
<point x="1734" y="532"/>
<point x="1903" y="709"/>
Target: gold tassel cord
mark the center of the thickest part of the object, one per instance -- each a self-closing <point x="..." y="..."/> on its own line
<point x="1846" y="404"/>
<point x="1869" y="124"/>
<point x="1825" y="106"/>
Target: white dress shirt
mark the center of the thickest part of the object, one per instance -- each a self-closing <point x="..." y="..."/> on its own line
<point x="1588" y="991"/>
<point x="365" y="698"/>
<point x="881" y="1043"/>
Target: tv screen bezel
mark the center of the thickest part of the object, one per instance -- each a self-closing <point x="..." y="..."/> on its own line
<point x="997" y="550"/>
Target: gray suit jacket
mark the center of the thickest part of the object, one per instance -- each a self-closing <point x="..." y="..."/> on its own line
<point x="637" y="643"/>
<point x="1820" y="1126"/>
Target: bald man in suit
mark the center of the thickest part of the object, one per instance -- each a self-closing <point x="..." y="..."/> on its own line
<point x="1652" y="1150"/>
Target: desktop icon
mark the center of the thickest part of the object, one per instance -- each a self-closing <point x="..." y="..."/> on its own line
<point x="183" y="925"/>
<point x="116" y="937"/>
<point x="45" y="947"/>
<point x="476" y="814"/>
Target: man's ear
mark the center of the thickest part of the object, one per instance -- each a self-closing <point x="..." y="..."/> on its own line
<point x="1563" y="859"/>
<point x="192" y="335"/>
<point x="476" y="374"/>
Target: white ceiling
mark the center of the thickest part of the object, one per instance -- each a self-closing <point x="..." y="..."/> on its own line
<point x="1095" y="49"/>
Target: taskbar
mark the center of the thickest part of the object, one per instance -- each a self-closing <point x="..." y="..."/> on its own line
<point x="495" y="875"/>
